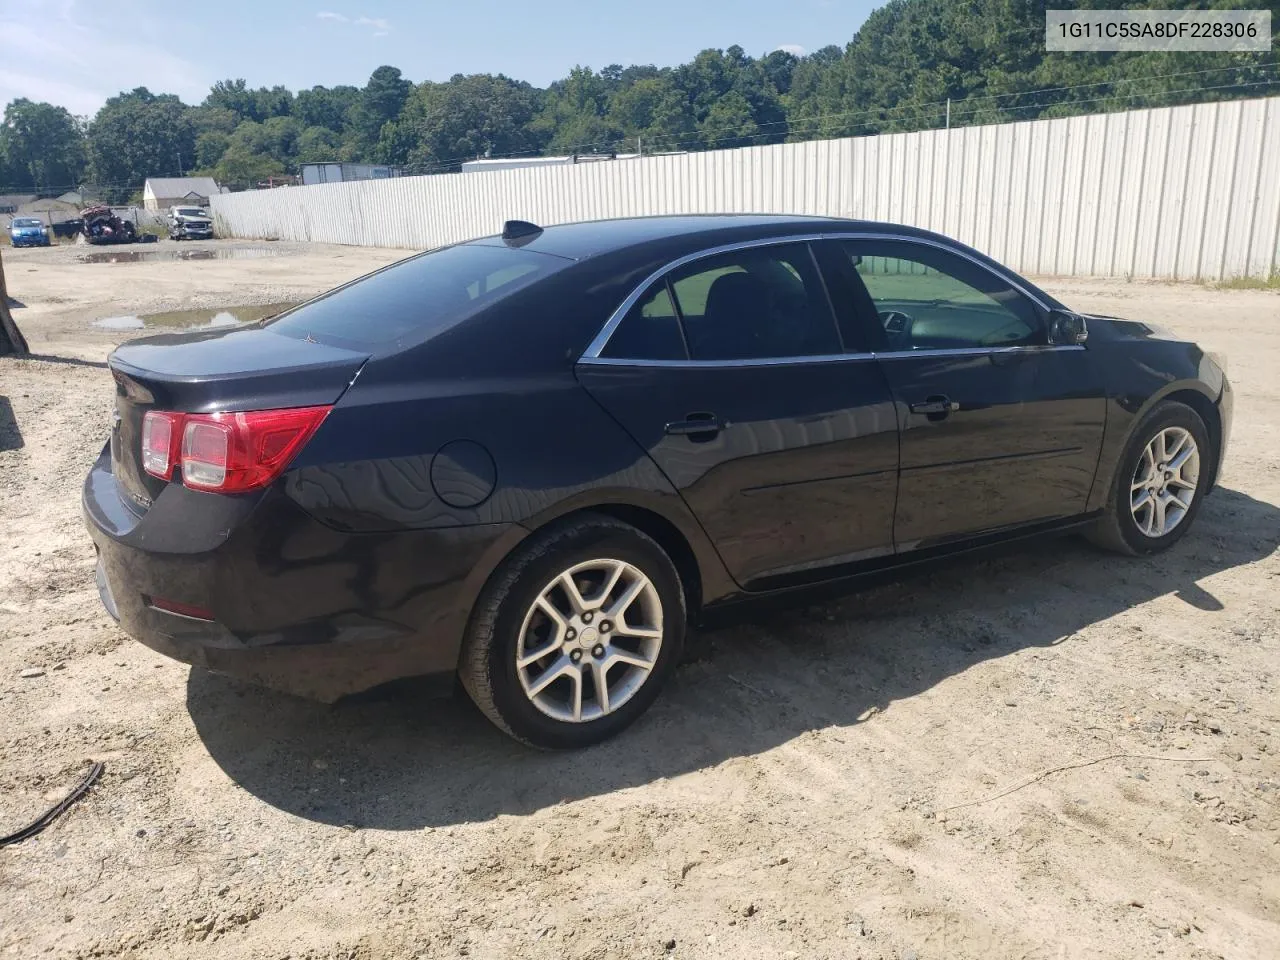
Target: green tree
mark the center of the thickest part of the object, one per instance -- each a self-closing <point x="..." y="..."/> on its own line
<point x="240" y="167"/>
<point x="381" y="101"/>
<point x="325" y="106"/>
<point x="468" y="116"/>
<point x="318" y="144"/>
<point x="44" y="146"/>
<point x="138" y="135"/>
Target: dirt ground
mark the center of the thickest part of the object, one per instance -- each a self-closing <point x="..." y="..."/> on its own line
<point x="862" y="779"/>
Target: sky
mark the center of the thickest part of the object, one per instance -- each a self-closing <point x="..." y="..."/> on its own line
<point x="77" y="53"/>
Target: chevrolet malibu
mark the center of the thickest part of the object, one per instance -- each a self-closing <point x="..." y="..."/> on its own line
<point x="531" y="459"/>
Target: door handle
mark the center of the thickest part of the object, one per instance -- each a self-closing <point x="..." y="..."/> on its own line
<point x="935" y="407"/>
<point x="698" y="427"/>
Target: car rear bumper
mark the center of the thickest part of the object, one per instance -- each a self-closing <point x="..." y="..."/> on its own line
<point x="296" y="606"/>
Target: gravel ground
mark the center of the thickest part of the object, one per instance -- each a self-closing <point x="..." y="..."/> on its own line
<point x="1053" y="754"/>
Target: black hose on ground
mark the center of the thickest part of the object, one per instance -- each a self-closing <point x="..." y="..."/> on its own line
<point x="54" y="812"/>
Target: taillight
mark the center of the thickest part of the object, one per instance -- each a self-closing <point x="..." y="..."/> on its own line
<point x="160" y="435"/>
<point x="232" y="452"/>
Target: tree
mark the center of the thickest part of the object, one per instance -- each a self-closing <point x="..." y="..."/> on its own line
<point x="243" y="167"/>
<point x="325" y="106"/>
<point x="468" y="116"/>
<point x="138" y="135"/>
<point x="380" y="102"/>
<point x="318" y="144"/>
<point x="729" y="122"/>
<point x="43" y="146"/>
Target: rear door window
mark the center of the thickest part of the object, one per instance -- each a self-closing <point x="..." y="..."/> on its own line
<point x="755" y="303"/>
<point x="417" y="298"/>
<point x="650" y="330"/>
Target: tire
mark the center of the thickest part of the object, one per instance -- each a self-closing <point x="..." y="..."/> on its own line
<point x="1121" y="529"/>
<point x="592" y="546"/>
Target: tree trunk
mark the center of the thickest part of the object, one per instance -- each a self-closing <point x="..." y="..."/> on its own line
<point x="11" y="339"/>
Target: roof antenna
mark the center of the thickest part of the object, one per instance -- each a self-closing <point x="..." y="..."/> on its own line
<point x="519" y="232"/>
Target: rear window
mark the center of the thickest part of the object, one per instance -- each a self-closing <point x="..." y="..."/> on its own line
<point x="26" y="222"/>
<point x="418" y="298"/>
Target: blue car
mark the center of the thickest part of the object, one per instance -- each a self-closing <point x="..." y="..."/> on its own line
<point x="28" y="232"/>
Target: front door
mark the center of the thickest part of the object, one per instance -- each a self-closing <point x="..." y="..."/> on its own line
<point x="731" y="374"/>
<point x="999" y="428"/>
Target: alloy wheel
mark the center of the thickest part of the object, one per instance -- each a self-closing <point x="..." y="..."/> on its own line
<point x="590" y="640"/>
<point x="1163" y="486"/>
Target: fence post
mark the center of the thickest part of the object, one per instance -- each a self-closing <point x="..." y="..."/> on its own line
<point x="11" y="339"/>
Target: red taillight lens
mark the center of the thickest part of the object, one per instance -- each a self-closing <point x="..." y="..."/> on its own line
<point x="238" y="452"/>
<point x="160" y="435"/>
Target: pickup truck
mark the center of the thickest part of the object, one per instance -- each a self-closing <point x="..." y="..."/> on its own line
<point x="190" y="223"/>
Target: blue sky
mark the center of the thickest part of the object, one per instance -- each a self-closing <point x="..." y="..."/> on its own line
<point x="180" y="46"/>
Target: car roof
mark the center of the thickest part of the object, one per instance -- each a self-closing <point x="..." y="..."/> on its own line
<point x="590" y="238"/>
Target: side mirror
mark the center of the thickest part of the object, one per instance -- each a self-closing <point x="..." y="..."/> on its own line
<point x="1066" y="328"/>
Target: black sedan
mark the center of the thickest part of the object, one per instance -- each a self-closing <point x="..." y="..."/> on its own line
<point x="529" y="460"/>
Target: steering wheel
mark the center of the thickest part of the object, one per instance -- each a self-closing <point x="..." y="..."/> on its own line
<point x="897" y="327"/>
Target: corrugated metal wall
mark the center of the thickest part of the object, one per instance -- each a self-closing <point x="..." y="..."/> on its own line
<point x="1178" y="192"/>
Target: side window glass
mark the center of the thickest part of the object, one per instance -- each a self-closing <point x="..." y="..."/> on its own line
<point x="754" y="304"/>
<point x="928" y="299"/>
<point x="650" y="330"/>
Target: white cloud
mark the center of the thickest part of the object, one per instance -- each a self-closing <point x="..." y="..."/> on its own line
<point x="792" y="48"/>
<point x="51" y="35"/>
<point x="380" y="25"/>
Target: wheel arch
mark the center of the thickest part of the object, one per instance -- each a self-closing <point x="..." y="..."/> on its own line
<point x="1192" y="393"/>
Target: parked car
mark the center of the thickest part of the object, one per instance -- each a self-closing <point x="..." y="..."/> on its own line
<point x="28" y="232"/>
<point x="530" y="459"/>
<point x="190" y="223"/>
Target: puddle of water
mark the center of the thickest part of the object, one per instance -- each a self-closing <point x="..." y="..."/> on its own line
<point x="193" y="319"/>
<point x="178" y="253"/>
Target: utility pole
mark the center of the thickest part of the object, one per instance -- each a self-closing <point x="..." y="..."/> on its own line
<point x="948" y="113"/>
<point x="639" y="147"/>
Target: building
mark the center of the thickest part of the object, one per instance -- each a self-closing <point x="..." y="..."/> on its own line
<point x="335" y="172"/>
<point x="512" y="163"/>
<point x="161" y="193"/>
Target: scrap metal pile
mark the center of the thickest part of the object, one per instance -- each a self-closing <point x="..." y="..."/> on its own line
<point x="101" y="225"/>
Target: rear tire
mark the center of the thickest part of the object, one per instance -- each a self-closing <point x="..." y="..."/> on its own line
<point x="1159" y="483"/>
<point x="537" y="656"/>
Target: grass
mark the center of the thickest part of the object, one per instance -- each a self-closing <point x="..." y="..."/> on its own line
<point x="1252" y="283"/>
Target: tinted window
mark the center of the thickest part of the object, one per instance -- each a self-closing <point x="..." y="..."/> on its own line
<point x="758" y="303"/>
<point x="926" y="298"/>
<point x="419" y="297"/>
<point x="650" y="330"/>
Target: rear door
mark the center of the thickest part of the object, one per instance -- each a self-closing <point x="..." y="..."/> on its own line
<point x="782" y="438"/>
<point x="999" y="428"/>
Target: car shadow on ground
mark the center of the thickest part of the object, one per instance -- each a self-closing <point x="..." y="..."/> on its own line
<point x="10" y="435"/>
<point x="399" y="761"/>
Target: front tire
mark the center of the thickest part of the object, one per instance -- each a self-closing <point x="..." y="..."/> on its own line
<point x="573" y="638"/>
<point x="1159" y="483"/>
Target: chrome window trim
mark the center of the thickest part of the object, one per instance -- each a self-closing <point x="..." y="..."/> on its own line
<point x="834" y="357"/>
<point x="597" y="345"/>
<point x="753" y="362"/>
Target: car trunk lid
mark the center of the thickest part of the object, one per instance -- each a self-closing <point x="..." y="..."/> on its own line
<point x="248" y="368"/>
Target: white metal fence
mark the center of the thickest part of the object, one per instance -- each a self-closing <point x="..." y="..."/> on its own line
<point x="1177" y="192"/>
